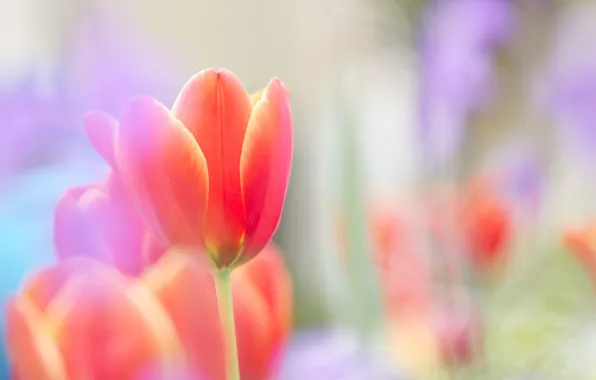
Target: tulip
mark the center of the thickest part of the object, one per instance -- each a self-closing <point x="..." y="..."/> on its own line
<point x="405" y="271"/>
<point x="487" y="227"/>
<point x="83" y="319"/>
<point x="98" y="221"/>
<point x="212" y="174"/>
<point x="262" y="306"/>
<point x="458" y="326"/>
<point x="476" y="220"/>
<point x="582" y="243"/>
<point x="443" y="333"/>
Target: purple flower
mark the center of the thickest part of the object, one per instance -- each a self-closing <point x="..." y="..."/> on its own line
<point x="570" y="83"/>
<point x="458" y="38"/>
<point x="327" y="354"/>
<point x="520" y="173"/>
<point x="104" y="66"/>
<point x="32" y="126"/>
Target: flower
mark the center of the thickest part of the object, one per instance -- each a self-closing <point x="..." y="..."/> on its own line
<point x="83" y="319"/>
<point x="212" y="173"/>
<point x="487" y="227"/>
<point x="518" y="174"/>
<point x="476" y="220"/>
<point x="569" y="92"/>
<point x="33" y="127"/>
<point x="582" y="243"/>
<point x="458" y="327"/>
<point x="405" y="272"/>
<point x="327" y="354"/>
<point x="458" y="39"/>
<point x="99" y="222"/>
<point x="445" y="332"/>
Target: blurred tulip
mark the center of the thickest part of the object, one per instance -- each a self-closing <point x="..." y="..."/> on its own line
<point x="458" y="327"/>
<point x="82" y="319"/>
<point x="262" y="306"/>
<point x="98" y="221"/>
<point x="424" y="332"/>
<point x="582" y="243"/>
<point x="407" y="287"/>
<point x="406" y="275"/>
<point x="211" y="174"/>
<point x="477" y="220"/>
<point x="487" y="227"/>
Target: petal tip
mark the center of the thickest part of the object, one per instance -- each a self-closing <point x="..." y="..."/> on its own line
<point x="101" y="128"/>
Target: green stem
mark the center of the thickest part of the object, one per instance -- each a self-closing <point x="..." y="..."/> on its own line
<point x="360" y="270"/>
<point x="223" y="287"/>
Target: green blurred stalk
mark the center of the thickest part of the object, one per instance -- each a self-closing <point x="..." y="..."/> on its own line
<point x="362" y="278"/>
<point x="223" y="287"/>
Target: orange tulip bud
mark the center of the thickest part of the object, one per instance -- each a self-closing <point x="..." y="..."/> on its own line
<point x="212" y="173"/>
<point x="98" y="221"/>
<point x="582" y="243"/>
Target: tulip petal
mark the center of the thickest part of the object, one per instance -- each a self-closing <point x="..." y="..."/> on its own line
<point x="31" y="349"/>
<point x="268" y="273"/>
<point x="164" y="172"/>
<point x="108" y="328"/>
<point x="43" y="286"/>
<point x="99" y="222"/>
<point x="265" y="166"/>
<point x="256" y="96"/>
<point x="194" y="312"/>
<point x="151" y="250"/>
<point x="77" y="229"/>
<point x="253" y="330"/>
<point x="101" y="130"/>
<point x="123" y="229"/>
<point x="214" y="106"/>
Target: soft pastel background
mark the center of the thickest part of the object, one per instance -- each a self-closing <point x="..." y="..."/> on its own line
<point x="428" y="92"/>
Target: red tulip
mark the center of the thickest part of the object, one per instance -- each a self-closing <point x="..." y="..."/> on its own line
<point x="82" y="319"/>
<point x="487" y="225"/>
<point x="477" y="221"/>
<point x="99" y="222"/>
<point x="211" y="174"/>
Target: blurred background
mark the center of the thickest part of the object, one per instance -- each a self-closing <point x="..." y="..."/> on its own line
<point x="442" y="151"/>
